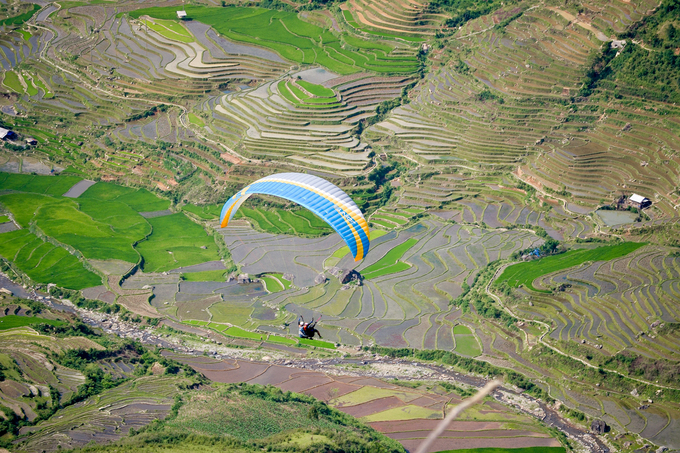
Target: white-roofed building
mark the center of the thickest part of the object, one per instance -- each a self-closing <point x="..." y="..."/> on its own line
<point x="7" y="134"/>
<point x="639" y="201"/>
<point x="181" y="14"/>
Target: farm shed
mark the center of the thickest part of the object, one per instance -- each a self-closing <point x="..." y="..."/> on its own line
<point x="7" y="134"/>
<point x="181" y="14"/>
<point x="31" y="141"/>
<point x="639" y="201"/>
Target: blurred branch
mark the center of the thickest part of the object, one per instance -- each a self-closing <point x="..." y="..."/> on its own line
<point x="488" y="388"/>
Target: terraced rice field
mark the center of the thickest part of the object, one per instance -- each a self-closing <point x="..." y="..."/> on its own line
<point x="286" y="122"/>
<point x="531" y="65"/>
<point x="133" y="404"/>
<point x="44" y="262"/>
<point x="611" y="302"/>
<point x="292" y="38"/>
<point x="524" y="274"/>
<point x="610" y="307"/>
<point x="404" y="414"/>
<point x="406" y="19"/>
<point x="29" y="371"/>
<point x="400" y="306"/>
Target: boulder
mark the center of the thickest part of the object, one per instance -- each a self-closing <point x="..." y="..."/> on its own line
<point x="350" y="276"/>
<point x="599" y="427"/>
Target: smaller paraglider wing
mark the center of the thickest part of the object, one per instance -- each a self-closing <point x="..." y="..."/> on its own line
<point x="323" y="198"/>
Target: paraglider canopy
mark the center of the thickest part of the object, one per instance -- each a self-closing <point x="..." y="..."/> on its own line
<point x="323" y="198"/>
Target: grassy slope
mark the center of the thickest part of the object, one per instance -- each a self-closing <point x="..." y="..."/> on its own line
<point x="526" y="273"/>
<point x="233" y="416"/>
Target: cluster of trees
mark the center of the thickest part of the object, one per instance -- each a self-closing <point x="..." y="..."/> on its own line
<point x="549" y="247"/>
<point x="649" y="71"/>
<point x="147" y="113"/>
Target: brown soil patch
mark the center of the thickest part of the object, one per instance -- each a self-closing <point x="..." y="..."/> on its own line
<point x="429" y="425"/>
<point x="244" y="373"/>
<point x="448" y="434"/>
<point x="443" y="444"/>
<point x="372" y="407"/>
<point x="139" y="305"/>
<point x="308" y="381"/>
<point x="229" y="158"/>
<point x="332" y="390"/>
<point x="273" y="376"/>
<point x="157" y="368"/>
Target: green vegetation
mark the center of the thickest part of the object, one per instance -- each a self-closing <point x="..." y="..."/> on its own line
<point x="21" y="18"/>
<point x="46" y="185"/>
<point x="170" y="29"/>
<point x="289" y="36"/>
<point x="40" y="84"/>
<point x="317" y="343"/>
<point x="526" y="273"/>
<point x="463" y="11"/>
<point x="13" y="82"/>
<point x="467" y="345"/>
<point x="99" y="229"/>
<point x="316" y="90"/>
<point x="205" y="212"/>
<point x="195" y="119"/>
<point x="205" y="276"/>
<point x="281" y="340"/>
<point x="44" y="262"/>
<point x="12" y="321"/>
<point x="4" y="219"/>
<point x="390" y="264"/>
<point x="240" y="333"/>
<point x="651" y="70"/>
<point x="176" y="242"/>
<point x="272" y="284"/>
<point x="243" y="418"/>
<point x="295" y="95"/>
<point x="141" y="200"/>
<point x="299" y="222"/>
<point x="31" y="89"/>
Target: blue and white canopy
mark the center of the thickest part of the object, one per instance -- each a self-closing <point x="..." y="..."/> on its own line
<point x="324" y="199"/>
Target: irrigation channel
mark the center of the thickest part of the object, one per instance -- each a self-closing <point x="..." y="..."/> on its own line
<point x="298" y="363"/>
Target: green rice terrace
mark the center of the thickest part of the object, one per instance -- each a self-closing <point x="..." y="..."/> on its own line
<point x="518" y="167"/>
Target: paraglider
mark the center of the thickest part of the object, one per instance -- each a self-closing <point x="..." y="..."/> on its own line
<point x="323" y="198"/>
<point x="308" y="330"/>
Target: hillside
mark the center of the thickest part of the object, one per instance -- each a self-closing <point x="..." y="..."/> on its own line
<point x="493" y="147"/>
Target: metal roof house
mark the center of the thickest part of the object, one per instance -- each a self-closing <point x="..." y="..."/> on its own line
<point x="181" y="14"/>
<point x="640" y="201"/>
<point x="7" y="134"/>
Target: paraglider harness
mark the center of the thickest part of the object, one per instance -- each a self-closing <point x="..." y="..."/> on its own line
<point x="307" y="330"/>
